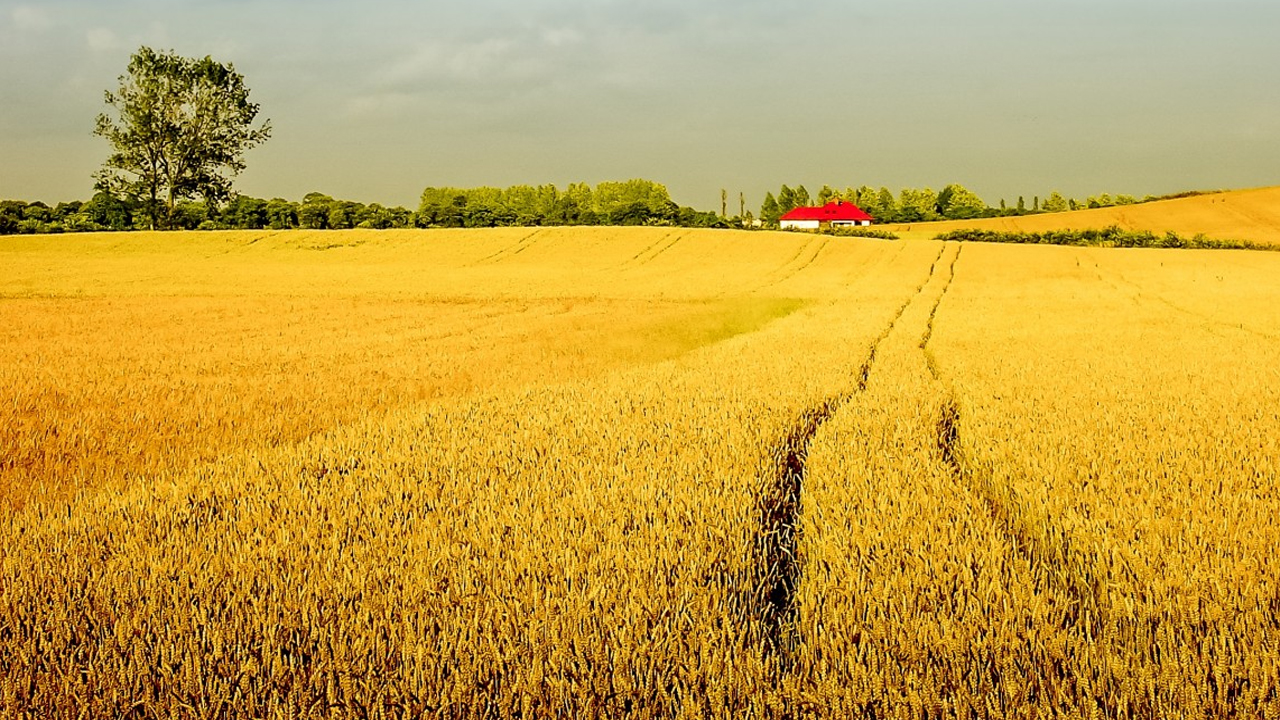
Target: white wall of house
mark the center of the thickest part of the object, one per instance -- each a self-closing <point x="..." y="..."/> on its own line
<point x="800" y="224"/>
<point x="838" y="223"/>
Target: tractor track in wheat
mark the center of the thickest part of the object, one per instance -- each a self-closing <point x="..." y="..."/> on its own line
<point x="778" y="571"/>
<point x="1065" y="569"/>
<point x="509" y="251"/>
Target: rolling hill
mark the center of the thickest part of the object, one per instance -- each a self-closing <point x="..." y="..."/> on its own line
<point x="1235" y="215"/>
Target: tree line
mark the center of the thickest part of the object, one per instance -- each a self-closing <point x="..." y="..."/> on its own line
<point x="953" y="202"/>
<point x="106" y="211"/>
<point x="632" y="202"/>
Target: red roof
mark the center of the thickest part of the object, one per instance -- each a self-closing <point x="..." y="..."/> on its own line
<point x="834" y="210"/>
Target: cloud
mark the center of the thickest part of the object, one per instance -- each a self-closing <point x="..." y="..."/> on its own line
<point x="380" y="105"/>
<point x="31" y="18"/>
<point x="561" y="36"/>
<point x="457" y="61"/>
<point x="102" y="39"/>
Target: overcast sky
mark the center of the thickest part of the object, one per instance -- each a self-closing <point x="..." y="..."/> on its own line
<point x="375" y="100"/>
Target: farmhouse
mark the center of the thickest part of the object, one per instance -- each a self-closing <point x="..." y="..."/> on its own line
<point x="834" y="214"/>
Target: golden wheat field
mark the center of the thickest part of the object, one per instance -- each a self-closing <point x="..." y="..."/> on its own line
<point x="1252" y="215"/>
<point x="644" y="472"/>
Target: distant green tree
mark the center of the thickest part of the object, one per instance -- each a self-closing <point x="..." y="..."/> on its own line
<point x="454" y="212"/>
<point x="944" y="200"/>
<point x="769" y="210"/>
<point x="313" y="213"/>
<point x="109" y="212"/>
<point x="80" y="222"/>
<point x="10" y="216"/>
<point x="374" y="217"/>
<point x="957" y="202"/>
<point x="1055" y="203"/>
<point x="528" y="205"/>
<point x="441" y="207"/>
<point x="181" y="129"/>
<point x="620" y="202"/>
<point x="633" y="214"/>
<point x="886" y="207"/>
<point x="826" y="195"/>
<point x="64" y="210"/>
<point x="786" y="200"/>
<point x="917" y="205"/>
<point x="343" y="214"/>
<point x="189" y="215"/>
<point x="281" y="214"/>
<point x="868" y="199"/>
<point x="487" y="210"/>
<point x="547" y="197"/>
<point x="583" y="196"/>
<point x="802" y="197"/>
<point x="401" y="217"/>
<point x="31" y="226"/>
<point x="1022" y="206"/>
<point x="37" y="211"/>
<point x="245" y="212"/>
<point x="565" y="211"/>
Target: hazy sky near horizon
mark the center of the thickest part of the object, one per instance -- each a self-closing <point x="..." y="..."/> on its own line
<point x="374" y="101"/>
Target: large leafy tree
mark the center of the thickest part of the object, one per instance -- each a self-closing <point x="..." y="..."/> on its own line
<point x="917" y="205"/>
<point x="180" y="129"/>
<point x="625" y="202"/>
<point x="956" y="202"/>
<point x="1055" y="203"/>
